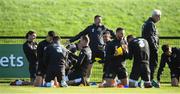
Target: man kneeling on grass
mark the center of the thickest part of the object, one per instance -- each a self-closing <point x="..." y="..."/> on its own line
<point x="55" y="57"/>
<point x="115" y="57"/>
<point x="42" y="67"/>
<point x="139" y="50"/>
<point x="78" y="74"/>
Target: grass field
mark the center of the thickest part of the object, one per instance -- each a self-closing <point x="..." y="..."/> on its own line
<point x="165" y="89"/>
<point x="68" y="17"/>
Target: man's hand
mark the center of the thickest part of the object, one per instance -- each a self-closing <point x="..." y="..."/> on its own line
<point x="116" y="52"/>
<point x="67" y="42"/>
<point x="125" y="48"/>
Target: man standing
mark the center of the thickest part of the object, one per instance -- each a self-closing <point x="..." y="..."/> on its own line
<point x="150" y="33"/>
<point x="95" y="33"/>
<point x="139" y="51"/>
<point x="30" y="50"/>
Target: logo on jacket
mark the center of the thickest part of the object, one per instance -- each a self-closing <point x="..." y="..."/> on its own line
<point x="93" y="30"/>
<point x="99" y="29"/>
<point x="141" y="43"/>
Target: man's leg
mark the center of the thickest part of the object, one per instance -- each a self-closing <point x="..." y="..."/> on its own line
<point x="153" y="65"/>
<point x="125" y="81"/>
<point x="38" y="81"/>
<point x="95" y="55"/>
<point x="145" y="75"/>
<point x="134" y="75"/>
<point x="153" y="62"/>
<point x="104" y="76"/>
<point x="40" y="75"/>
<point x="175" y="76"/>
<point x="50" y="76"/>
<point x="133" y="83"/>
<point x="74" y="79"/>
<point x="108" y="82"/>
<point x="123" y="76"/>
<point x="61" y="76"/>
<point x="109" y="76"/>
<point x="32" y="71"/>
<point x="56" y="83"/>
<point x="74" y="82"/>
<point x="89" y="71"/>
<point x="174" y="82"/>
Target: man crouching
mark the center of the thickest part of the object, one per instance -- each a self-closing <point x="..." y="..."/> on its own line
<point x="139" y="52"/>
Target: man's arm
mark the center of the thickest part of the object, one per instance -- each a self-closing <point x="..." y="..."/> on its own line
<point x="46" y="56"/>
<point x="40" y="50"/>
<point x="130" y="52"/>
<point x="109" y="52"/>
<point x="84" y="32"/>
<point x="161" y="66"/>
<point x="28" y="53"/>
<point x="81" y="57"/>
<point x="39" y="58"/>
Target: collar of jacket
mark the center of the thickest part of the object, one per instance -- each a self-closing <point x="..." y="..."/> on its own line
<point x="85" y="47"/>
<point x="151" y="19"/>
<point x="97" y="25"/>
<point x="118" y="39"/>
<point x="29" y="41"/>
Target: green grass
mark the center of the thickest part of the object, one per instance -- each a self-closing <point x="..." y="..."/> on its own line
<point x="68" y="17"/>
<point x="165" y="89"/>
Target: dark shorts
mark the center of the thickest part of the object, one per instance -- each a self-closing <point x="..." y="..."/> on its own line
<point x="105" y="69"/>
<point x="140" y="69"/>
<point x="55" y="72"/>
<point x="41" y="70"/>
<point x="73" y="76"/>
<point x="113" y="70"/>
<point x="175" y="73"/>
<point x="97" y="54"/>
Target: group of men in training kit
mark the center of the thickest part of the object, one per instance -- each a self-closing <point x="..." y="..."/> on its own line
<point x="50" y="61"/>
